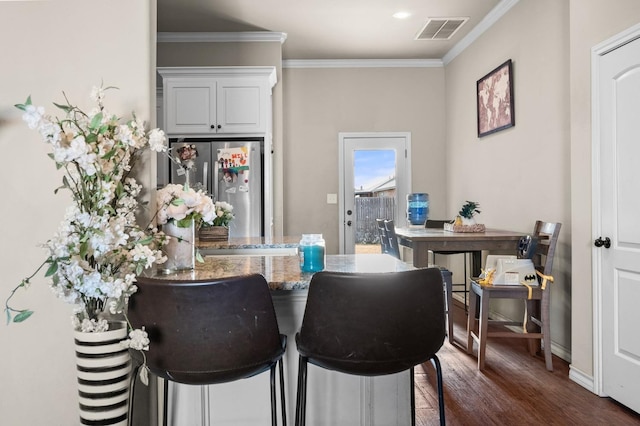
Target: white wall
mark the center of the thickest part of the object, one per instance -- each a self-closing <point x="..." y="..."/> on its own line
<point x="520" y="174"/>
<point x="319" y="103"/>
<point x="592" y="22"/>
<point x="48" y="47"/>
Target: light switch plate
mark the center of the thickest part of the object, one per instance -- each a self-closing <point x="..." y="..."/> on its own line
<point x="332" y="198"/>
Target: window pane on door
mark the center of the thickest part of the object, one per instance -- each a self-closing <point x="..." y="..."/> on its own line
<point x="374" y="174"/>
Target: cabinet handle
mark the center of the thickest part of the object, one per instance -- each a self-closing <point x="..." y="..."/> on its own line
<point x="213" y="126"/>
<point x="219" y="126"/>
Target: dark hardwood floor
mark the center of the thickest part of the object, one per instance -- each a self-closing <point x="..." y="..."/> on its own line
<point x="514" y="389"/>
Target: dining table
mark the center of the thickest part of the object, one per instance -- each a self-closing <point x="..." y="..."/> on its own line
<point x="422" y="240"/>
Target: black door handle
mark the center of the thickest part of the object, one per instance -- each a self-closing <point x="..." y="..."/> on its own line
<point x="348" y="223"/>
<point x="600" y="242"/>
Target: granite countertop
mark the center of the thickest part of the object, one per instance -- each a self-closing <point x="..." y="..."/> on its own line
<point x="251" y="243"/>
<point x="283" y="272"/>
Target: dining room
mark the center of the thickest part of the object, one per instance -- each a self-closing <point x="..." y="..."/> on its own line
<point x="540" y="168"/>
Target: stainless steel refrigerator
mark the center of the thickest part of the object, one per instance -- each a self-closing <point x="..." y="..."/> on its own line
<point x="229" y="170"/>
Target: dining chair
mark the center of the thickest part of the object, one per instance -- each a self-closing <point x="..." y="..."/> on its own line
<point x="389" y="236"/>
<point x="536" y="325"/>
<point x="382" y="235"/>
<point x="439" y="224"/>
<point x="205" y="332"/>
<point x="370" y="324"/>
<point x="390" y="230"/>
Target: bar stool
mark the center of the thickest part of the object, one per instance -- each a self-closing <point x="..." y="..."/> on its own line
<point x="371" y="324"/>
<point x="205" y="332"/>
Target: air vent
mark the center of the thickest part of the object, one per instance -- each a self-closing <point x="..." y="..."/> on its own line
<point x="440" y="28"/>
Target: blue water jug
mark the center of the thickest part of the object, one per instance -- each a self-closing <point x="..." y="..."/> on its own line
<point x="418" y="208"/>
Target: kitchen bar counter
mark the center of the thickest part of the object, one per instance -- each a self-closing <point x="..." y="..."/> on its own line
<point x="251" y="246"/>
<point x="332" y="398"/>
<point x="283" y="272"/>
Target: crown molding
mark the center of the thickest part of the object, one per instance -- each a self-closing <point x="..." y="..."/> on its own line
<point x="222" y="37"/>
<point x="491" y="18"/>
<point x="362" y="63"/>
<point x="268" y="36"/>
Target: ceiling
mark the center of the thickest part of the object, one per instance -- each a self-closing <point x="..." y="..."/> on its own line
<point x="331" y="29"/>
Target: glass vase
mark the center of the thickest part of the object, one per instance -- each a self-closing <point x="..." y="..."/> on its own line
<point x="181" y="249"/>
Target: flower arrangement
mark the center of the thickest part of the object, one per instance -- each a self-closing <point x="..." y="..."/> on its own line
<point x="99" y="248"/>
<point x="183" y="204"/>
<point x="224" y="214"/>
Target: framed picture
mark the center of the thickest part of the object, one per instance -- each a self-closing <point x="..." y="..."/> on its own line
<point x="495" y="100"/>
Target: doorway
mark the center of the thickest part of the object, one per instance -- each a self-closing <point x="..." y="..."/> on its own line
<point x="616" y="252"/>
<point x="375" y="176"/>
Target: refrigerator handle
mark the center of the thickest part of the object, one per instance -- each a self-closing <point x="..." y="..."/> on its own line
<point x="205" y="172"/>
<point x="215" y="180"/>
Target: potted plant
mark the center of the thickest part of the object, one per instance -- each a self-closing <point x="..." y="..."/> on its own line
<point x="218" y="230"/>
<point x="99" y="248"/>
<point x="467" y="212"/>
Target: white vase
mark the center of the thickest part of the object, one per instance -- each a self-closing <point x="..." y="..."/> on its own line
<point x="181" y="249"/>
<point x="469" y="221"/>
<point x="104" y="369"/>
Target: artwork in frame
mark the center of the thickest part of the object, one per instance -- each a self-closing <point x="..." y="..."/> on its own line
<point x="495" y="100"/>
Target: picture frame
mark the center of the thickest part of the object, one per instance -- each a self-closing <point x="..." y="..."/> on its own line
<point x="494" y="99"/>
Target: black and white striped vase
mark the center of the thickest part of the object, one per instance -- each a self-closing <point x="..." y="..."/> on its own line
<point x="104" y="368"/>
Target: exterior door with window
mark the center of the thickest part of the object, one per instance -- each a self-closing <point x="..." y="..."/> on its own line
<point x="375" y="175"/>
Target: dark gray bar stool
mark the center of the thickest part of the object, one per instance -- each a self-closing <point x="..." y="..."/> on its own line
<point x="372" y="325"/>
<point x="205" y="332"/>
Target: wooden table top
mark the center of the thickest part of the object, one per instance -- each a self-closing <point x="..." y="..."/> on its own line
<point x="428" y="234"/>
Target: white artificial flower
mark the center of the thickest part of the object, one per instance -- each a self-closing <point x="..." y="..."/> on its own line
<point x="157" y="140"/>
<point x="50" y="131"/>
<point x="87" y="162"/>
<point x="33" y="116"/>
<point x="125" y="135"/>
<point x="138" y="340"/>
<point x="177" y="212"/>
<point x="93" y="326"/>
<point x="144" y="254"/>
<point x="97" y="250"/>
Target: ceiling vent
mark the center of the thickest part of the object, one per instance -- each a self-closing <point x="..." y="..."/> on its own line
<point x="440" y="28"/>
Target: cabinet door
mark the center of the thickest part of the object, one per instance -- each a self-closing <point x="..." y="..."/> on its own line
<point x="242" y="106"/>
<point x="190" y="106"/>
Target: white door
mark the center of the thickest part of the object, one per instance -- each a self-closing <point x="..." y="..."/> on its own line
<point x="371" y="164"/>
<point x="617" y="239"/>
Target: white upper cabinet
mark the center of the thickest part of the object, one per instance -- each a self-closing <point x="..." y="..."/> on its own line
<point x="217" y="100"/>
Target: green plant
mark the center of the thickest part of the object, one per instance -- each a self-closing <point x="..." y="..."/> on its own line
<point x="469" y="209"/>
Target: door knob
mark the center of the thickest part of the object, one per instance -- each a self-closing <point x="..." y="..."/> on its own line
<point x="600" y="242"/>
<point x="348" y="223"/>
<point x="349" y="212"/>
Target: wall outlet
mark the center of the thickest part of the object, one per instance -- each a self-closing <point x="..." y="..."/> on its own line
<point x="332" y="198"/>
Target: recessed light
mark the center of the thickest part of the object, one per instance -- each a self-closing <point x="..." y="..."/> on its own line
<point x="401" y="15"/>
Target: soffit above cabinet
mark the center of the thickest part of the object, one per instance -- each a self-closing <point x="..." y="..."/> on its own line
<point x="267" y="72"/>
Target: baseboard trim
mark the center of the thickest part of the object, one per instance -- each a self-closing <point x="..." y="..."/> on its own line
<point x="581" y="378"/>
